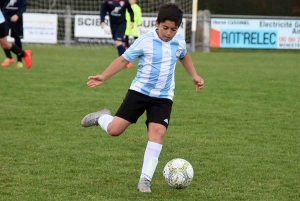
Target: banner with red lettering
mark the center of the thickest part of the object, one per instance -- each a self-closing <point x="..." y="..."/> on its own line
<point x="255" y="33"/>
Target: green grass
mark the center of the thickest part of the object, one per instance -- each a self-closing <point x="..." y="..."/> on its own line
<point x="241" y="133"/>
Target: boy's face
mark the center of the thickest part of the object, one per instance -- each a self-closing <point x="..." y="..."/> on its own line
<point x="166" y="30"/>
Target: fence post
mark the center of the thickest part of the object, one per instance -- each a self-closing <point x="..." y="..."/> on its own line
<point x="194" y="24"/>
<point x="68" y="26"/>
<point x="206" y="31"/>
<point x="203" y="31"/>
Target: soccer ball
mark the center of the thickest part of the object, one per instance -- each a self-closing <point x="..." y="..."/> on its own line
<point x="178" y="173"/>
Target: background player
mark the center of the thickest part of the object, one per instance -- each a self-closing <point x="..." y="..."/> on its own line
<point x="137" y="22"/>
<point x="13" y="13"/>
<point x="117" y="17"/>
<point x="27" y="54"/>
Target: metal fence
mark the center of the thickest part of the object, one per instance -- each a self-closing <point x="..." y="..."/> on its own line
<point x="66" y="23"/>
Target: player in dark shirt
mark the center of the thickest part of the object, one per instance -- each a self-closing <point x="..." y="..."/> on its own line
<point x="117" y="16"/>
<point x="13" y="12"/>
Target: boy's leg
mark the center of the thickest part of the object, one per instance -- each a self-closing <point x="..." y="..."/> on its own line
<point x="5" y="45"/>
<point x="103" y="118"/>
<point x="156" y="135"/>
<point x="11" y="47"/>
<point x="126" y="42"/>
<point x="7" y="54"/>
<point x="120" y="47"/>
<point x="5" y="27"/>
<point x="119" y="32"/>
<point x="17" y="34"/>
<point x="27" y="54"/>
<point x="114" y="126"/>
<point x="18" y="43"/>
<point x="158" y="117"/>
<point x="129" y="112"/>
<point x="150" y="161"/>
<point x="8" y="60"/>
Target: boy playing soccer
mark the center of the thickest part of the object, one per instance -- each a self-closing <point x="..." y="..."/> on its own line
<point x="152" y="90"/>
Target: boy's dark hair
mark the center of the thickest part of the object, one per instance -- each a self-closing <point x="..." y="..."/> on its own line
<point x="171" y="12"/>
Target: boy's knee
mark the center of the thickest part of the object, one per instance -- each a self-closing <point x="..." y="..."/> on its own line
<point x="6" y="45"/>
<point x="157" y="128"/>
<point x="159" y="131"/>
<point x="118" y="43"/>
<point x="156" y="132"/>
<point x="113" y="131"/>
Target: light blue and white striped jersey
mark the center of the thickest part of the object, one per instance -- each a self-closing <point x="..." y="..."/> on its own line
<point x="2" y="19"/>
<point x="157" y="61"/>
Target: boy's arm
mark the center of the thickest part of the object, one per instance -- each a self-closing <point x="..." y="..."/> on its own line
<point x="103" y="11"/>
<point x="117" y="65"/>
<point x="22" y="8"/>
<point x="187" y="63"/>
<point x="130" y="11"/>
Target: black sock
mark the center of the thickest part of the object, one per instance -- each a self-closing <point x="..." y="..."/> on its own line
<point x="127" y="41"/>
<point x="121" y="49"/>
<point x="18" y="51"/>
<point x="19" y="44"/>
<point x="7" y="54"/>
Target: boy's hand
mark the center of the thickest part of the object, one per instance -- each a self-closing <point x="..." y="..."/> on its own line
<point x="131" y="25"/>
<point x="95" y="80"/>
<point x="199" y="82"/>
<point x="102" y="25"/>
<point x="14" y="18"/>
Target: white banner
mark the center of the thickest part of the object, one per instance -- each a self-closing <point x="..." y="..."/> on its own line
<point x="255" y="33"/>
<point x="39" y="28"/>
<point x="88" y="26"/>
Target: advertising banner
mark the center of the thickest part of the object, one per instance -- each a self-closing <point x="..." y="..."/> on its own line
<point x="39" y="28"/>
<point x="255" y="33"/>
<point x="87" y="28"/>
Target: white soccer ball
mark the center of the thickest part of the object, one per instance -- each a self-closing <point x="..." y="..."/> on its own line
<point x="178" y="173"/>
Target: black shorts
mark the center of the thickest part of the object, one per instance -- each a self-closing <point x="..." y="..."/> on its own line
<point x="158" y="110"/>
<point x="16" y="28"/>
<point x="2" y="30"/>
<point x="118" y="31"/>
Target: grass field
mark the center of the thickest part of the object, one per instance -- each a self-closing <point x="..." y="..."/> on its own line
<point x="241" y="133"/>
